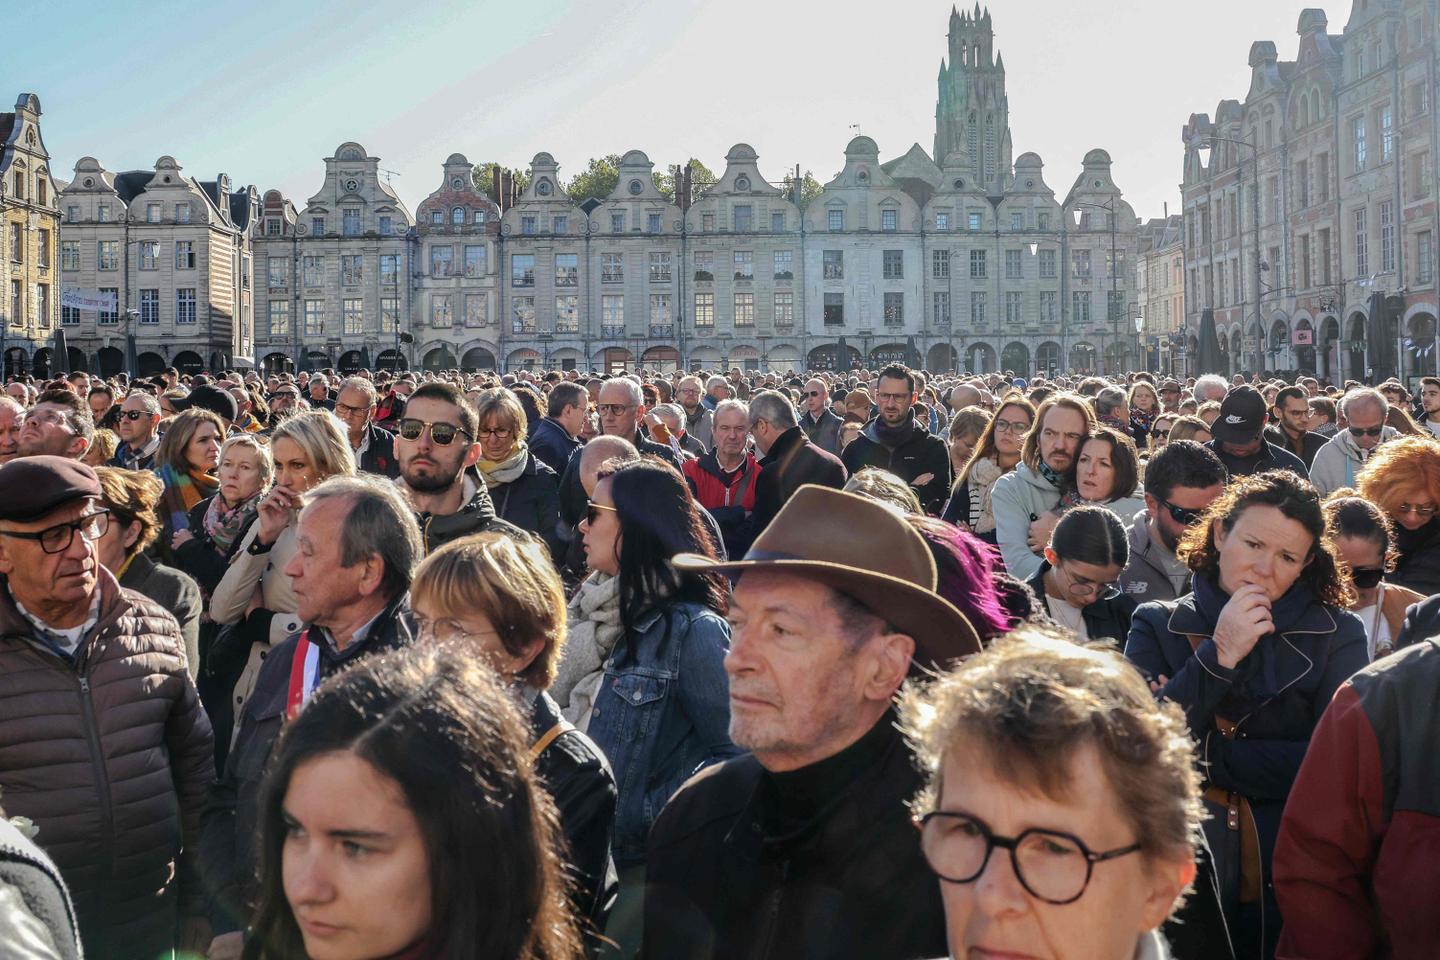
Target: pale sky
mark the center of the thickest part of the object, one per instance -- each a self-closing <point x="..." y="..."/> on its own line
<point x="268" y="91"/>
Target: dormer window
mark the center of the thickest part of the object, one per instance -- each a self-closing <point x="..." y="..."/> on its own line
<point x="457" y="217"/>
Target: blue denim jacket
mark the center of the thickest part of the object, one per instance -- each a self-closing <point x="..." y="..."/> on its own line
<point x="662" y="712"/>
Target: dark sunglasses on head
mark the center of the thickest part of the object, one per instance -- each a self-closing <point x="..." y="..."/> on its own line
<point x="443" y="434"/>
<point x="1366" y="431"/>
<point x="1182" y="514"/>
<point x="1367" y="577"/>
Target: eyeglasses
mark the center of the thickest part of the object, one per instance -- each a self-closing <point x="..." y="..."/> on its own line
<point x="1424" y="512"/>
<point x="593" y="510"/>
<point x="345" y="410"/>
<point x="442" y="433"/>
<point x="443" y="631"/>
<point x="1183" y="515"/>
<point x="499" y="433"/>
<point x="57" y="539"/>
<point x="1052" y="866"/>
<point x="1367" y="431"/>
<point x="614" y="409"/>
<point x="895" y="397"/>
<point x="1367" y="577"/>
<point x="1083" y="587"/>
<point x="1012" y="426"/>
<point x="133" y="415"/>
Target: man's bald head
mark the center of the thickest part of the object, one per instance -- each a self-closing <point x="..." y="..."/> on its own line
<point x="598" y="452"/>
<point x="964" y="395"/>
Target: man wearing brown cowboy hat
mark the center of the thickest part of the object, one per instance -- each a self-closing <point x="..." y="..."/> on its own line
<point x="805" y="846"/>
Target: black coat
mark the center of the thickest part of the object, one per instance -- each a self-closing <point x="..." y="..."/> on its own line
<point x="791" y="462"/>
<point x="918" y="455"/>
<point x="824" y="431"/>
<point x="729" y="876"/>
<point x="379" y="458"/>
<point x="1104" y="619"/>
<point x="1419" y="565"/>
<point x="1422" y="621"/>
<point x="578" y="777"/>
<point x="1310" y="443"/>
<point x="231" y="825"/>
<point x="552" y="445"/>
<point x="532" y="502"/>
<point x="176" y="592"/>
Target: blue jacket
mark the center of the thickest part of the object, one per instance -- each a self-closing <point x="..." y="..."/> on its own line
<point x="662" y="713"/>
<point x="1275" y="695"/>
<point x="552" y="446"/>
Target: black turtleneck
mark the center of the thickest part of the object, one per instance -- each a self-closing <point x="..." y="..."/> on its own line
<point x="797" y="798"/>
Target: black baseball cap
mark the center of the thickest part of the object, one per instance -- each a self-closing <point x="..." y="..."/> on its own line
<point x="1242" y="416"/>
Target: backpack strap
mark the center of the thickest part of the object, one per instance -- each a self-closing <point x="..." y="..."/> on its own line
<point x="560" y="727"/>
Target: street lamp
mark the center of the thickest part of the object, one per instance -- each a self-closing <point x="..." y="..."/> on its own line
<point x="1204" y="147"/>
<point x="1112" y="313"/>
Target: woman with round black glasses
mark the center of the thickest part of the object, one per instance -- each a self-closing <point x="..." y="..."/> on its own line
<point x="1077" y="583"/>
<point x="1366" y="542"/>
<point x="1062" y="807"/>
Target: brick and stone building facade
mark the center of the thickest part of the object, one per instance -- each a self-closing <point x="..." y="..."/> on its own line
<point x="1160" y="289"/>
<point x="29" y="239"/>
<point x="1311" y="240"/>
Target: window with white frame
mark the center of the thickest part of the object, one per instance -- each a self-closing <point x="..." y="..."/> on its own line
<point x="314" y="318"/>
<point x="184" y="254"/>
<point x="940" y="264"/>
<point x="182" y="213"/>
<point x="889" y="220"/>
<point x="152" y="212"/>
<point x="612" y="268"/>
<point x="784" y="262"/>
<point x="832" y="264"/>
<point x="892" y="264"/>
<point x="389" y="269"/>
<point x="1362" y="242"/>
<point x="744" y="265"/>
<point x="660" y="266"/>
<point x="441" y="314"/>
<point x="567" y="269"/>
<point x="977" y="264"/>
<point x="744" y="309"/>
<point x="149" y="251"/>
<point x="150" y="305"/>
<point x="1080" y="306"/>
<point x="69" y="254"/>
<point x="784" y="309"/>
<point x="977" y="307"/>
<point x="704" y="265"/>
<point x="522" y="315"/>
<point x="612" y="310"/>
<point x="1013" y="265"/>
<point x="661" y="312"/>
<point x="1387" y="235"/>
<point x="940" y="307"/>
<point x="474" y="260"/>
<point x="522" y="269"/>
<point x="389" y="314"/>
<point x="442" y="261"/>
<point x="705" y="310"/>
<point x="352" y="316"/>
<point x="1014" y="306"/>
<point x="185" y="305"/>
<point x="567" y="313"/>
<point x="279" y="318"/>
<point x="835" y="220"/>
<point x="894" y="309"/>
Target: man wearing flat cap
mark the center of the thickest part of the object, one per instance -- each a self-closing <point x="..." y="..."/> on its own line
<point x="805" y="846"/>
<point x="103" y="742"/>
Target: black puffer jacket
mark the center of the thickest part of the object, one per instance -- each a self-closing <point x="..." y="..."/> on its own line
<point x="920" y="454"/>
<point x="109" y="753"/>
<point x="532" y="502"/>
<point x="232" y="811"/>
<point x="476" y="516"/>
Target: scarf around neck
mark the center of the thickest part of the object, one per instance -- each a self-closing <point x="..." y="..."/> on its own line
<point x="182" y="492"/>
<point x="223" y="524"/>
<point x="592" y="630"/>
<point x="892" y="437"/>
<point x="508" y="470"/>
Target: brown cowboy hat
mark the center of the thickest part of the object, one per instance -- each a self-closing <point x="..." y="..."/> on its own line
<point x="824" y="535"/>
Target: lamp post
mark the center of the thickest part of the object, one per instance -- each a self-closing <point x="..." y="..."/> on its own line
<point x="1204" y="146"/>
<point x="1111" y="312"/>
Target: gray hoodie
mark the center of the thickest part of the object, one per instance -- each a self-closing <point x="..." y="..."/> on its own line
<point x="1340" y="461"/>
<point x="1018" y="498"/>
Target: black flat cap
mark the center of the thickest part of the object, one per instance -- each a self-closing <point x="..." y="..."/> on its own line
<point x="214" y="399"/>
<point x="31" y="487"/>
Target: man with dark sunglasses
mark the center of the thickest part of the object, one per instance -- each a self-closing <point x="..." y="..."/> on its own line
<point x="437" y="448"/>
<point x="1338" y="462"/>
<point x="1181" y="480"/>
<point x="820" y="425"/>
<point x="139" y="432"/>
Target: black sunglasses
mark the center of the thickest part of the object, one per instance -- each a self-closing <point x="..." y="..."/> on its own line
<point x="1182" y="514"/>
<point x="1367" y="431"/>
<point x="1367" y="577"/>
<point x="135" y="414"/>
<point x="442" y="433"/>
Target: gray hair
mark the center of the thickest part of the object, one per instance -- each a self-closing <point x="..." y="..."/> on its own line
<point x="670" y="410"/>
<point x="1109" y="399"/>
<point x="884" y="487"/>
<point x="716" y="381"/>
<point x="632" y="389"/>
<point x="264" y="461"/>
<point x="774" y="408"/>
<point x="725" y="406"/>
<point x="380" y="523"/>
<point x="8" y="401"/>
<point x="361" y="384"/>
<point x="1208" y="383"/>
<point x="1364" y="395"/>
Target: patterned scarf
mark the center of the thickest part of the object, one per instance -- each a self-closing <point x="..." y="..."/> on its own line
<point x="182" y="492"/>
<point x="500" y="472"/>
<point x="1140" y="421"/>
<point x="223" y="523"/>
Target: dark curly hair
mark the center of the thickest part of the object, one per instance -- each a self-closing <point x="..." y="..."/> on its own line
<point x="1294" y="497"/>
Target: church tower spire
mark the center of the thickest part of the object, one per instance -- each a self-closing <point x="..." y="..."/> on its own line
<point x="972" y="113"/>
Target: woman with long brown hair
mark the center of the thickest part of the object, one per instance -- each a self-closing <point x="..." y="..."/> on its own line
<point x="996" y="454"/>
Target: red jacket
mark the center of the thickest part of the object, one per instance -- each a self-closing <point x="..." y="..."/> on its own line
<point x="707" y="480"/>
<point x="1357" y="863"/>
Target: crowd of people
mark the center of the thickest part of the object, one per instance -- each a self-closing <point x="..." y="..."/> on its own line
<point x="877" y="664"/>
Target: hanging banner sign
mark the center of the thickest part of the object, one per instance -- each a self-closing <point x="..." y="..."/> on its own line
<point x="91" y="301"/>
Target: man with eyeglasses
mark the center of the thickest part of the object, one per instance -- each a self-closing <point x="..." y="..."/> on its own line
<point x="819" y="423"/>
<point x="897" y="442"/>
<point x="1336" y="464"/>
<point x="59" y="425"/>
<point x="107" y="747"/>
<point x="374" y="448"/>
<point x="437" y="447"/>
<point x="698" y="416"/>
<point x="804" y="846"/>
<point x="1239" y="437"/>
<point x="1181" y="480"/>
<point x="1291" y="429"/>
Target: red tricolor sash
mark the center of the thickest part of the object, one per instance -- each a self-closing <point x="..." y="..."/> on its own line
<point x="304" y="674"/>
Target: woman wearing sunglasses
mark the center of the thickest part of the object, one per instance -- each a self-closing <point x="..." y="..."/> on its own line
<point x="643" y="668"/>
<point x="1061" y="807"/>
<point x="996" y="454"/>
<point x="1077" y="582"/>
<point x="1366" y="541"/>
<point x="1402" y="478"/>
<point x="1253" y="655"/>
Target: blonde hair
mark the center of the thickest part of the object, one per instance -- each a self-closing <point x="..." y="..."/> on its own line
<point x="103" y="444"/>
<point x="1029" y="701"/>
<point x="512" y="583"/>
<point x="322" y="439"/>
<point x="264" y="462"/>
<point x="502" y="404"/>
